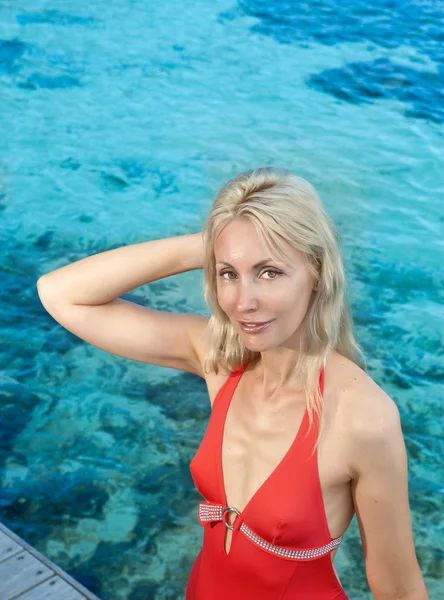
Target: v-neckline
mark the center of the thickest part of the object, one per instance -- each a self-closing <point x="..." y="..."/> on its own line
<point x="278" y="466"/>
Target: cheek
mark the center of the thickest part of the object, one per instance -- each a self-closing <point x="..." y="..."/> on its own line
<point x="224" y="298"/>
<point x="293" y="300"/>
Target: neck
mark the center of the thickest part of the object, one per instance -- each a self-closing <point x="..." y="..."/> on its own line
<point x="276" y="370"/>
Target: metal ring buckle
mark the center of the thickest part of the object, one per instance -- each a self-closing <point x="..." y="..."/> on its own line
<point x="228" y="509"/>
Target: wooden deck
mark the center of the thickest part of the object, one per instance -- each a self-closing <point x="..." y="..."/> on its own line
<point x="25" y="574"/>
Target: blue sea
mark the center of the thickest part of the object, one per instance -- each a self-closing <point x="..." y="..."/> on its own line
<point x="119" y="122"/>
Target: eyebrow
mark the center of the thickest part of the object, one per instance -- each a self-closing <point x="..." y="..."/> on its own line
<point x="256" y="266"/>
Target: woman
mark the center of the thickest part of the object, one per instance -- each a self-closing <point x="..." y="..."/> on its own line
<point x="299" y="437"/>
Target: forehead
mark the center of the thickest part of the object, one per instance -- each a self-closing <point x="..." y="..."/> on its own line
<point x="240" y="241"/>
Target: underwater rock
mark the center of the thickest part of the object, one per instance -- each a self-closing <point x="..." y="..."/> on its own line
<point x="70" y="163"/>
<point x="384" y="25"/>
<point x="10" y="53"/>
<point x="38" y="80"/>
<point x="16" y="406"/>
<point x="144" y="590"/>
<point x="182" y="397"/>
<point x="53" y="17"/>
<point x="363" y="82"/>
<point x="60" y="500"/>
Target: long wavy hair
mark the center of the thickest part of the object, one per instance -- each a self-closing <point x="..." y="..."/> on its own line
<point x="283" y="208"/>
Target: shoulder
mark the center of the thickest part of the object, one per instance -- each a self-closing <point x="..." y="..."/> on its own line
<point x="368" y="416"/>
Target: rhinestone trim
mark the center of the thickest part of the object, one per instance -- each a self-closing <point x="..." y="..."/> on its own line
<point x="288" y="552"/>
<point x="208" y="512"/>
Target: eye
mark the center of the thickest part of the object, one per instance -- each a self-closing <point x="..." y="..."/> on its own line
<point x="274" y="273"/>
<point x="227" y="273"/>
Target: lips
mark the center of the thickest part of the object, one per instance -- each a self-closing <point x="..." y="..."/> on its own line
<point x="254" y="327"/>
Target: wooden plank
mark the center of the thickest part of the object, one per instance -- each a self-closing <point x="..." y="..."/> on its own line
<point x="8" y="547"/>
<point x="52" y="589"/>
<point x="45" y="561"/>
<point x="20" y="573"/>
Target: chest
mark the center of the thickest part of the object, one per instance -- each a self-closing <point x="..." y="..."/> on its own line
<point x="256" y="439"/>
<point x="259" y="453"/>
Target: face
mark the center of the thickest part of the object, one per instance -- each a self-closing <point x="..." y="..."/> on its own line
<point x="252" y="288"/>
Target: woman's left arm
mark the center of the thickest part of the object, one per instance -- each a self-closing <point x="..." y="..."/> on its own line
<point x="380" y="495"/>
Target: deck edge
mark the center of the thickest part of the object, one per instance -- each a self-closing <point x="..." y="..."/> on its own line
<point x="43" y="559"/>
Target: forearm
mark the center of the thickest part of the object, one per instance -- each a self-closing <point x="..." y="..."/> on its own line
<point x="416" y="595"/>
<point x="102" y="277"/>
<point x="408" y="591"/>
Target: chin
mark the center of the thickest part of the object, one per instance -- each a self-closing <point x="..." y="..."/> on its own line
<point x="257" y="345"/>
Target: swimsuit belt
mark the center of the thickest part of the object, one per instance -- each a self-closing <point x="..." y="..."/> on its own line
<point x="209" y="512"/>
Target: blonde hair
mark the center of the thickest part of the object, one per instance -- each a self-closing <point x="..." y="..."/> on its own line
<point x="283" y="207"/>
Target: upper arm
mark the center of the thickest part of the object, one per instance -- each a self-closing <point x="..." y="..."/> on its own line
<point x="135" y="332"/>
<point x="380" y="495"/>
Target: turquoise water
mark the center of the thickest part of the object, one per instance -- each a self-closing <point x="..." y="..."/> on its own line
<point x="119" y="122"/>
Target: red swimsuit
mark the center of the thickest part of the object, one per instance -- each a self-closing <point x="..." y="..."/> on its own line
<point x="281" y="543"/>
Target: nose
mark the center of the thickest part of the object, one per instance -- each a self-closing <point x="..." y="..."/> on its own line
<point x="246" y="301"/>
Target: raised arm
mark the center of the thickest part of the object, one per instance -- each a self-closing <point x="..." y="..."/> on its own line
<point x="84" y="297"/>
